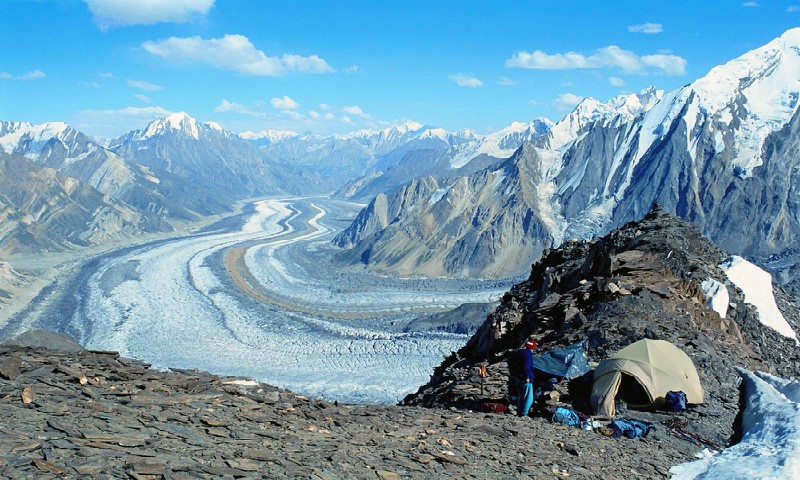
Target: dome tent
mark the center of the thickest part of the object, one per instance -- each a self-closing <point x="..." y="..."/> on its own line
<point x="657" y="366"/>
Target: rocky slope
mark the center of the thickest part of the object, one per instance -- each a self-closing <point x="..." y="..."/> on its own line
<point x="98" y="415"/>
<point x="43" y="210"/>
<point x="482" y="225"/>
<point x="644" y="280"/>
<point x="721" y="152"/>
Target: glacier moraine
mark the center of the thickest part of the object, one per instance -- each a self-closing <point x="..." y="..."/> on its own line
<point x="258" y="296"/>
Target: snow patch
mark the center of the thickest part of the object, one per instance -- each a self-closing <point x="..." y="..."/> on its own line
<point x="717" y="295"/>
<point x="770" y="445"/>
<point x="438" y="194"/>
<point x="757" y="287"/>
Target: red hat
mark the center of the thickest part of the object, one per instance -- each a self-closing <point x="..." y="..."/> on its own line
<point x="531" y="344"/>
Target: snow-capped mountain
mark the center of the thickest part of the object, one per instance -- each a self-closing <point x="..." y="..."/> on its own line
<point x="52" y="144"/>
<point x="266" y="137"/>
<point x="205" y="155"/>
<point x="69" y="190"/>
<point x="500" y="144"/>
<point x="470" y="154"/>
<point x="339" y="159"/>
<point x="723" y="152"/>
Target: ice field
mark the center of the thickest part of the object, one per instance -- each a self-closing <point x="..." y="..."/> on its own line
<point x="173" y="304"/>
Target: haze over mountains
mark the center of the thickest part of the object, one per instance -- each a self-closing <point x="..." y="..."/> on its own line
<point x="721" y="152"/>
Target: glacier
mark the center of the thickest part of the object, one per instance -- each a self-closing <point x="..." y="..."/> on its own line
<point x="317" y="331"/>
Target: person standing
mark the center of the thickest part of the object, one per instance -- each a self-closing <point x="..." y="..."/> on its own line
<point x="523" y="360"/>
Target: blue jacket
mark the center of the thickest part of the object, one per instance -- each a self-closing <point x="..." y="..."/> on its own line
<point x="524" y="358"/>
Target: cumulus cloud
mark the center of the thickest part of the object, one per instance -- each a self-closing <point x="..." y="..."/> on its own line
<point x="646" y="28"/>
<point x="234" y="52"/>
<point x="354" y="110"/>
<point x="352" y="69"/>
<point x="328" y="116"/>
<point x="284" y="103"/>
<point x="566" y="102"/>
<point x="606" y="57"/>
<point x="32" y="75"/>
<point x="228" y="106"/>
<point x="146" y="86"/>
<point x="463" y="80"/>
<point x="116" y="13"/>
<point x="616" y="81"/>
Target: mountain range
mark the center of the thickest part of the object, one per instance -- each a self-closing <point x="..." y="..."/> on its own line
<point x="721" y="152"/>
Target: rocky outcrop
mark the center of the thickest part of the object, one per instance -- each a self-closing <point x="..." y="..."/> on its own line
<point x="98" y="415"/>
<point x="640" y="281"/>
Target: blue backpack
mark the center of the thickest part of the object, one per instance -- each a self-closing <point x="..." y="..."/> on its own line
<point x="566" y="416"/>
<point x="675" y="401"/>
<point x="630" y="428"/>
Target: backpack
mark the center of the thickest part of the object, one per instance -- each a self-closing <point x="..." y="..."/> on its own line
<point x="631" y="428"/>
<point x="566" y="416"/>
<point x="675" y="401"/>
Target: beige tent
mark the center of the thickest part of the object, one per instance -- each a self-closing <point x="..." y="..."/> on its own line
<point x="652" y="366"/>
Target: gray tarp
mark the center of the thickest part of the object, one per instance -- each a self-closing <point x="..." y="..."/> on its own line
<point x="567" y="362"/>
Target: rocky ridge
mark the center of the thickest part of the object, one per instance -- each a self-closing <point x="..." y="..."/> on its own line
<point x="640" y="281"/>
<point x="98" y="415"/>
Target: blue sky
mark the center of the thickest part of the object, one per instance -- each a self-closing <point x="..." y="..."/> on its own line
<point x="108" y="66"/>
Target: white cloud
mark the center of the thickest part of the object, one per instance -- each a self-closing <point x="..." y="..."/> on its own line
<point x="284" y="103"/>
<point x="352" y="69"/>
<point x="793" y="8"/>
<point x="751" y="4"/>
<point x="606" y="57"/>
<point x="346" y="119"/>
<point x="669" y="64"/>
<point x="32" y="75"/>
<point x="227" y="106"/>
<point x="115" y="13"/>
<point x="646" y="28"/>
<point x="235" y="52"/>
<point x="566" y="102"/>
<point x="507" y="82"/>
<point x="91" y="84"/>
<point x="616" y="81"/>
<point x="146" y="86"/>
<point x="463" y="80"/>
<point x="143" y="98"/>
<point x="354" y="110"/>
<point x="106" y="75"/>
<point x="324" y="107"/>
